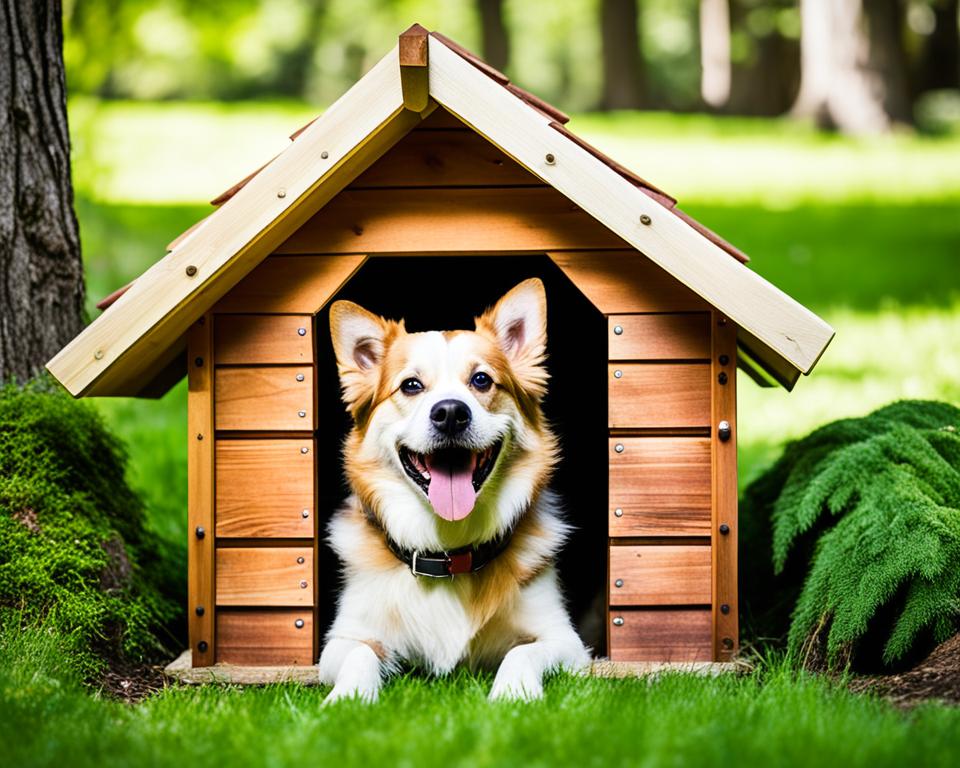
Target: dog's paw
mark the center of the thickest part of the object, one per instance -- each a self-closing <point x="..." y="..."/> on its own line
<point x="346" y="692"/>
<point x="517" y="679"/>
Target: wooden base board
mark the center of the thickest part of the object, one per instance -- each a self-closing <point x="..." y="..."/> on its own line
<point x="183" y="671"/>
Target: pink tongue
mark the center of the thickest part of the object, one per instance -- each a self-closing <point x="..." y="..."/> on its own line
<point x="451" y="489"/>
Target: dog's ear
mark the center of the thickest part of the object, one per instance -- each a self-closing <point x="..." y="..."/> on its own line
<point x="359" y="341"/>
<point x="518" y="322"/>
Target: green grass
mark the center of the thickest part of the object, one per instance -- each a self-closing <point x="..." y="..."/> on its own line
<point x="866" y="233"/>
<point x="773" y="717"/>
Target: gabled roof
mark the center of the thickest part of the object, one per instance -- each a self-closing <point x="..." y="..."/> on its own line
<point x="126" y="347"/>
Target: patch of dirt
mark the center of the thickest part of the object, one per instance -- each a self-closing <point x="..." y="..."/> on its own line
<point x="937" y="677"/>
<point x="131" y="682"/>
<point x="27" y="517"/>
<point x="116" y="575"/>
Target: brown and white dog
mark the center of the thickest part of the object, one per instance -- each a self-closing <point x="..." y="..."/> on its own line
<point x="448" y="461"/>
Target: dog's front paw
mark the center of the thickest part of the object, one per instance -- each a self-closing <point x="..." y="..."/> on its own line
<point x="517" y="679"/>
<point x="341" y="692"/>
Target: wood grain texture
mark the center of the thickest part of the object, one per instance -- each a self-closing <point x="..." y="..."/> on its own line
<point x="298" y="284"/>
<point x="265" y="398"/>
<point x="266" y="488"/>
<point x="200" y="493"/>
<point x="261" y="576"/>
<point x="661" y="485"/>
<point x="659" y="395"/>
<point x="163" y="302"/>
<point x="444" y="158"/>
<point x="788" y="329"/>
<point x="625" y="281"/>
<point x="265" y="638"/>
<point x="659" y="337"/>
<point x="726" y="625"/>
<point x="508" y="219"/>
<point x="660" y="574"/>
<point x="253" y="339"/>
<point x="674" y="635"/>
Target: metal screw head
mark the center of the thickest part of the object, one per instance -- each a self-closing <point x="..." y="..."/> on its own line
<point x="303" y="585"/>
<point x="191" y="270"/>
<point x="723" y="431"/>
<point x="617" y="374"/>
<point x="724" y="529"/>
<point x="722" y="377"/>
<point x="301" y="331"/>
<point x="302" y="414"/>
<point x="618" y="621"/>
<point x="300" y="560"/>
<point x="728" y="643"/>
<point x="198" y="361"/>
<point x="618" y="447"/>
<point x="724" y="609"/>
<point x="202" y="646"/>
<point x="550" y="159"/>
<point x="324" y="155"/>
<point x="98" y="355"/>
<point x="199" y="435"/>
<point x="645" y="220"/>
<point x="199" y="532"/>
<point x="299" y="377"/>
<point x="281" y="193"/>
<point x="298" y="623"/>
<point x="618" y="330"/>
<point x="618" y="583"/>
<point x="724" y="359"/>
<point x="199" y="610"/>
<point x="618" y="512"/>
<point x="304" y="449"/>
<point x="305" y="514"/>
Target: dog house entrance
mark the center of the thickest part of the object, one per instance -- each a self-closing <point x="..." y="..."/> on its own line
<point x="446" y="293"/>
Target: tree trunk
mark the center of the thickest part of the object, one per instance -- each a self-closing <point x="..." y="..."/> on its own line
<point x="939" y="64"/>
<point x="493" y="32"/>
<point x="623" y="81"/>
<point x="715" y="52"/>
<point x="853" y="73"/>
<point x="41" y="275"/>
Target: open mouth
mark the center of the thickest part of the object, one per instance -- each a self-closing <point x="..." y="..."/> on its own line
<point x="451" y="478"/>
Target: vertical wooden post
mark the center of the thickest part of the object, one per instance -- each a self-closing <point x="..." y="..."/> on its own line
<point x="724" y="515"/>
<point x="201" y="602"/>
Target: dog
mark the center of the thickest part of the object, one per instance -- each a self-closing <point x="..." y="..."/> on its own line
<point x="448" y="540"/>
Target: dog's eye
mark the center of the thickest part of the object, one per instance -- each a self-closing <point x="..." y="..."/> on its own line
<point x="411" y="386"/>
<point x="481" y="381"/>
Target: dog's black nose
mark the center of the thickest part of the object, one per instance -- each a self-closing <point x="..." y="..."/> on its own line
<point x="450" y="417"/>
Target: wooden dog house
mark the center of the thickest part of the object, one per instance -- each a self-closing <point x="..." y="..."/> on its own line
<point x="434" y="153"/>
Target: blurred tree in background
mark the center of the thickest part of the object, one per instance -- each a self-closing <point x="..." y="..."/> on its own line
<point x="853" y="65"/>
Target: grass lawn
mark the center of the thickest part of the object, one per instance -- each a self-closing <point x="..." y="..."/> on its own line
<point x="866" y="233"/>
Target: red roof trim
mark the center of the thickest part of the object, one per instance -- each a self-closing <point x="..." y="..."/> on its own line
<point x="106" y="301"/>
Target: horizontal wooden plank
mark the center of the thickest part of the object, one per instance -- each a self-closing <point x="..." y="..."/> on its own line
<point x="659" y="337"/>
<point x="255" y="576"/>
<point x="660" y="574"/>
<point x="659" y="395"/>
<point x="661" y="486"/>
<point x="626" y="281"/>
<point x="279" y="398"/>
<point x="680" y="635"/>
<point x="449" y="220"/>
<point x="265" y="638"/>
<point x="253" y="339"/>
<point x="265" y="488"/>
<point x="444" y="158"/>
<point x="300" y="284"/>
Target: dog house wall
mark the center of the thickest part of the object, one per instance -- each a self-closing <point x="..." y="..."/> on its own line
<point x="443" y="189"/>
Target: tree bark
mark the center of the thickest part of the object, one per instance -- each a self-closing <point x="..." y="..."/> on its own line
<point x="853" y="69"/>
<point x="939" y="61"/>
<point x="493" y="33"/>
<point x="715" y="52"/>
<point x="41" y="275"/>
<point x="623" y="76"/>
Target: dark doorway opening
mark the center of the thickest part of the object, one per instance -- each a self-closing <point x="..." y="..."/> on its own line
<point x="445" y="293"/>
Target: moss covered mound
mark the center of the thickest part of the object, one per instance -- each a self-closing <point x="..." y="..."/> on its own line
<point x="855" y="532"/>
<point x="74" y="551"/>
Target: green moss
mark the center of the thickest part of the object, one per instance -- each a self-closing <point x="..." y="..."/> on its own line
<point x="860" y="522"/>
<point x="74" y="552"/>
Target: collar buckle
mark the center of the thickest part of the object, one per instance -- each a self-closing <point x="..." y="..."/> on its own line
<point x="414" y="563"/>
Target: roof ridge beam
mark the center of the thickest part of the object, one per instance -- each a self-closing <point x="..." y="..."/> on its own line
<point x="414" y="56"/>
